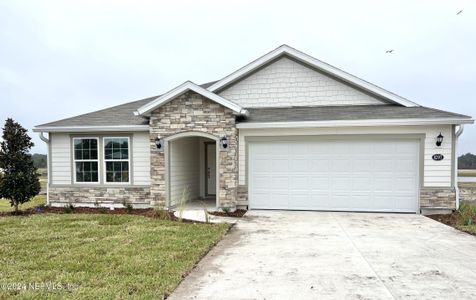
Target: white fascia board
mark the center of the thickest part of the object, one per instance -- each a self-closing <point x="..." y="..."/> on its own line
<point x="347" y="123"/>
<point x="122" y="128"/>
<point x="309" y="60"/>
<point x="181" y="89"/>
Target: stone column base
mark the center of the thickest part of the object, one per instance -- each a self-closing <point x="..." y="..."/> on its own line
<point x="437" y="198"/>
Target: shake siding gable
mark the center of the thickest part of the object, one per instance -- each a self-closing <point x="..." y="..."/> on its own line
<point x="286" y="82"/>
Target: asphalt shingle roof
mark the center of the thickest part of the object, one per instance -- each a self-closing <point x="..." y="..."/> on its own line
<point x="358" y="112"/>
<point x="113" y="116"/>
<point x="124" y="114"/>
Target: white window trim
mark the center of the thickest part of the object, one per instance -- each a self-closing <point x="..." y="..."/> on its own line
<point x="86" y="160"/>
<point x="128" y="160"/>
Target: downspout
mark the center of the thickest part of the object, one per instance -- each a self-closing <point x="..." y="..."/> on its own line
<point x="48" y="171"/>
<point x="455" y="157"/>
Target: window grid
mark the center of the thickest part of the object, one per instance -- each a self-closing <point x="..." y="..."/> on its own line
<point x="116" y="160"/>
<point x="86" y="162"/>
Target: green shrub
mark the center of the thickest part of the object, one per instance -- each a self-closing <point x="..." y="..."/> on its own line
<point x="128" y="206"/>
<point x="226" y="210"/>
<point x="68" y="208"/>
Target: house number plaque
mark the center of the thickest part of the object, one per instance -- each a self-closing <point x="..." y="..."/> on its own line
<point x="437" y="157"/>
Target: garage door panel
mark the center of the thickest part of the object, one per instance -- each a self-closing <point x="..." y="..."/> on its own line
<point x="402" y="202"/>
<point x="278" y="183"/>
<point x="300" y="165"/>
<point x="319" y="183"/>
<point x="299" y="183"/>
<point x="262" y="164"/>
<point x="319" y="165"/>
<point x="362" y="164"/>
<point x="360" y="175"/>
<point x="341" y="165"/>
<point x="380" y="147"/>
<point x="405" y="164"/>
<point x="383" y="164"/>
<point x="362" y="182"/>
<point x="340" y="183"/>
<point x="404" y="184"/>
<point x="359" y="200"/>
<point x="406" y="148"/>
<point x="279" y="164"/>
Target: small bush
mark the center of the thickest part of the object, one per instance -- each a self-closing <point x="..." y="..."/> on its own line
<point x="68" y="208"/>
<point x="226" y="210"/>
<point x="128" y="206"/>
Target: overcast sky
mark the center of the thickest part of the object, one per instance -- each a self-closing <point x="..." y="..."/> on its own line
<point x="60" y="58"/>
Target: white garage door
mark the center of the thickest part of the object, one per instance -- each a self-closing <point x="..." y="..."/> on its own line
<point x="346" y="175"/>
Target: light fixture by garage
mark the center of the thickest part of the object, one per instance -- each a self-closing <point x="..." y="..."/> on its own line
<point x="439" y="140"/>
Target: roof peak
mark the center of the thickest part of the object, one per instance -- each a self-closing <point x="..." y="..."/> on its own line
<point x="312" y="62"/>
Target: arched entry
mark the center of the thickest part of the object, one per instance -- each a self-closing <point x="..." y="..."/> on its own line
<point x="191" y="167"/>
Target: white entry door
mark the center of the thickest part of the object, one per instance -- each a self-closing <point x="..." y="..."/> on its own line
<point x="211" y="181"/>
<point x="341" y="175"/>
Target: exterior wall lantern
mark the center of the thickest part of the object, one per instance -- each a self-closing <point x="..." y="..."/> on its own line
<point x="224" y="143"/>
<point x="439" y="140"/>
<point x="159" y="143"/>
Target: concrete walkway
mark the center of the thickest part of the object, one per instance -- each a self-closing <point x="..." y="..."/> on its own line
<point x="321" y="255"/>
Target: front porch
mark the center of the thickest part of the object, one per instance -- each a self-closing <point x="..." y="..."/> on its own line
<point x="192" y="172"/>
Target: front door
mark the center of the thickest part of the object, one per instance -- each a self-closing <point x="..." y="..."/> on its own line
<point x="211" y="169"/>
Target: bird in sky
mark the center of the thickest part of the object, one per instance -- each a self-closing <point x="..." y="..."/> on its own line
<point x="459" y="12"/>
<point x="389" y="51"/>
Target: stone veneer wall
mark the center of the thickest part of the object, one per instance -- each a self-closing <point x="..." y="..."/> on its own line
<point x="107" y="196"/>
<point x="467" y="195"/>
<point x="242" y="195"/>
<point x="192" y="112"/>
<point x="438" y="198"/>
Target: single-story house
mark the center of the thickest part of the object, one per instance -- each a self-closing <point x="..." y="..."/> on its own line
<point x="286" y="131"/>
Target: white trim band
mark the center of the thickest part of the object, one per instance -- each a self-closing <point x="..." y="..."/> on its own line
<point x="91" y="128"/>
<point x="181" y="89"/>
<point x="345" y="123"/>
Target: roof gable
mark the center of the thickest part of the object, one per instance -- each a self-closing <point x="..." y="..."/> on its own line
<point x="312" y="62"/>
<point x="183" y="88"/>
<point x="285" y="82"/>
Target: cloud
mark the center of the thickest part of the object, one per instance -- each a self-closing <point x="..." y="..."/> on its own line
<point x="63" y="58"/>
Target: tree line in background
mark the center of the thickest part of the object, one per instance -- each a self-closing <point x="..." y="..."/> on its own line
<point x="39" y="160"/>
<point x="467" y="161"/>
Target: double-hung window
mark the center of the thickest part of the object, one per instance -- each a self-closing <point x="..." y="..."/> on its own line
<point x="116" y="159"/>
<point x="86" y="160"/>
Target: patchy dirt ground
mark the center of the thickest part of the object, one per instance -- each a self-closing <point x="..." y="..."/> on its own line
<point x="236" y="214"/>
<point x="464" y="219"/>
<point x="448" y="219"/>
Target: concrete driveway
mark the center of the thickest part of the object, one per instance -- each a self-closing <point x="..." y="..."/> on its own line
<point x="324" y="255"/>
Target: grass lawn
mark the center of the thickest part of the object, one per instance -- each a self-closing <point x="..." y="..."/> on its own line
<point x="43" y="178"/>
<point x="466" y="173"/>
<point x="467" y="185"/>
<point x="100" y="256"/>
<point x="38" y="200"/>
<point x="466" y="218"/>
